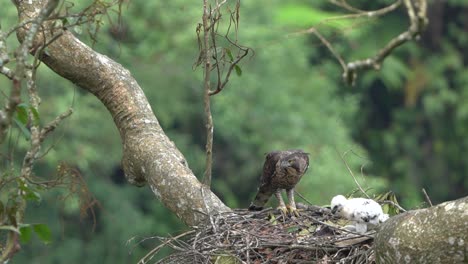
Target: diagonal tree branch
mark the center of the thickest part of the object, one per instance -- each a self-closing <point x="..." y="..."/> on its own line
<point x="418" y="22"/>
<point x="149" y="156"/>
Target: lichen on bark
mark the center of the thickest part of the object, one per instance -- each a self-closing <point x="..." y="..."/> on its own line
<point x="438" y="234"/>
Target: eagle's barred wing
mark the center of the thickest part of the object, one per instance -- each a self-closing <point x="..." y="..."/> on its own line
<point x="307" y="162"/>
<point x="281" y="170"/>
<point x="269" y="167"/>
<point x="265" y="191"/>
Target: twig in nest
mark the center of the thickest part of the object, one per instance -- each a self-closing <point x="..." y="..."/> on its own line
<point x="302" y="197"/>
<point x="352" y="174"/>
<point x="394" y="204"/>
<point x="242" y="237"/>
<point x="155" y="250"/>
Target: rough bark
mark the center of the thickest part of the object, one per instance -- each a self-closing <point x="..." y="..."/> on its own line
<point x="149" y="156"/>
<point x="438" y="234"/>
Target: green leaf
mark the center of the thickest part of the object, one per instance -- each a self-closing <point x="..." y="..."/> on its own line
<point x="292" y="229"/>
<point x="33" y="196"/>
<point x="304" y="232"/>
<point x="29" y="193"/>
<point x="394" y="72"/>
<point x="78" y="29"/>
<point x="25" y="233"/>
<point x="273" y="219"/>
<point x="389" y="208"/>
<point x="229" y="53"/>
<point x="224" y="259"/>
<point x="238" y="70"/>
<point x="43" y="232"/>
<point x="22" y="113"/>
<point x="35" y="114"/>
<point x="23" y="129"/>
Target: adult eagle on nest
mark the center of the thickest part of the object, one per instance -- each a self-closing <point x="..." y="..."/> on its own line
<point x="282" y="170"/>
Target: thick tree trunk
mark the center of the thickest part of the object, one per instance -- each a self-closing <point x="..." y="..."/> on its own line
<point x="438" y="234"/>
<point x="148" y="156"/>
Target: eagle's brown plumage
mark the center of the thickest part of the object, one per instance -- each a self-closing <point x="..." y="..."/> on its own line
<point x="282" y="170"/>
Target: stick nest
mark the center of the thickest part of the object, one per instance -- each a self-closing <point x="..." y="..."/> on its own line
<point x="269" y="237"/>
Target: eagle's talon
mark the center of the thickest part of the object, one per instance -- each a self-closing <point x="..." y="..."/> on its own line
<point x="293" y="211"/>
<point x="283" y="210"/>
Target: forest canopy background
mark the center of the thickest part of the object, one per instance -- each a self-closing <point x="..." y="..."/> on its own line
<point x="404" y="125"/>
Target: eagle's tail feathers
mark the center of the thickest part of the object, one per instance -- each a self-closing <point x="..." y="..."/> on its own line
<point x="262" y="197"/>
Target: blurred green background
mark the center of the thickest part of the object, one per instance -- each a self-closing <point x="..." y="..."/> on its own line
<point x="405" y="126"/>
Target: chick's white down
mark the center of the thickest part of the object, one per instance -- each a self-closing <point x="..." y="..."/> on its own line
<point x="362" y="211"/>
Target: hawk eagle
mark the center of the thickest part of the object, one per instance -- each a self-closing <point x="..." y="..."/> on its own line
<point x="361" y="211"/>
<point x="282" y="170"/>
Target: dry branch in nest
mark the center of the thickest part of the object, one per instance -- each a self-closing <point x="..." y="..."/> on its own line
<point x="268" y="237"/>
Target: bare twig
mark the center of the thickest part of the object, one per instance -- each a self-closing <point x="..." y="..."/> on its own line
<point x="358" y="14"/>
<point x="207" y="88"/>
<point x="37" y="137"/>
<point x="344" y="4"/>
<point x="4" y="57"/>
<point x="418" y="22"/>
<point x="428" y="200"/>
<point x="7" y="72"/>
<point x="394" y="204"/>
<point x="351" y="173"/>
<point x="302" y="197"/>
<point x="11" y="248"/>
<point x="155" y="250"/>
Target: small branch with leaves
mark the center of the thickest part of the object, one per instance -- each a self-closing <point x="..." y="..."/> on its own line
<point x="206" y="97"/>
<point x="218" y="59"/>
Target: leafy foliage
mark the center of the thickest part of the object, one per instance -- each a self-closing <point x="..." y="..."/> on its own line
<point x="402" y="128"/>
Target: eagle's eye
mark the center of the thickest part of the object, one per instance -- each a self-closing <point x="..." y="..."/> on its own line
<point x="291" y="161"/>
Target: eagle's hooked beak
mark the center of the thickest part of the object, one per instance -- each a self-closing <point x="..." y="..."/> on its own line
<point x="285" y="164"/>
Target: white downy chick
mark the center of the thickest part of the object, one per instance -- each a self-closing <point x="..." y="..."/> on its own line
<point x="361" y="211"/>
